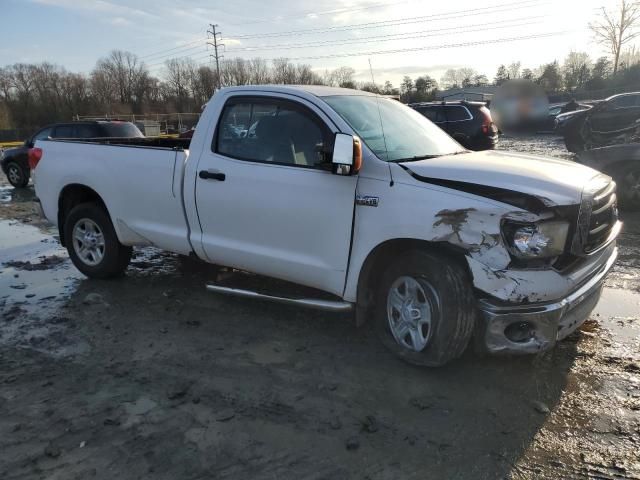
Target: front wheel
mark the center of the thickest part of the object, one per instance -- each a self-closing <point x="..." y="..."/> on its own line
<point x="425" y="309"/>
<point x="92" y="242"/>
<point x="17" y="175"/>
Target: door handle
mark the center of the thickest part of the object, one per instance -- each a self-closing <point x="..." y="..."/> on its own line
<point x="212" y="175"/>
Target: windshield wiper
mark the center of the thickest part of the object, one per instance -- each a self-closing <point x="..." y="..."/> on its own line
<point x="415" y="158"/>
<point x="427" y="157"/>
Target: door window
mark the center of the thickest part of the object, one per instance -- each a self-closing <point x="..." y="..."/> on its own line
<point x="86" y="131"/>
<point x="63" y="131"/>
<point x="626" y="101"/>
<point x="435" y="114"/>
<point x="457" y="114"/>
<point x="272" y="131"/>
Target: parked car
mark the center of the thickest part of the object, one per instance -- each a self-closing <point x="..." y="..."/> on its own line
<point x="561" y="113"/>
<point x="467" y="122"/>
<point x="14" y="161"/>
<point x="187" y="133"/>
<point x="622" y="162"/>
<point x="362" y="200"/>
<point x="591" y="128"/>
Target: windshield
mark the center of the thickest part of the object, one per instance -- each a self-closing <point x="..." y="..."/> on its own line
<point x="408" y="135"/>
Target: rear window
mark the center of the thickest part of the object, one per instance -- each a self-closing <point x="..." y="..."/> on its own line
<point x="120" y="130"/>
<point x="457" y="114"/>
<point x="435" y="114"/>
<point x="42" y="134"/>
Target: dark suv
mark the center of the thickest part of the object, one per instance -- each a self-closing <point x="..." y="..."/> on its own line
<point x="14" y="161"/>
<point x="469" y="123"/>
<point x="608" y="122"/>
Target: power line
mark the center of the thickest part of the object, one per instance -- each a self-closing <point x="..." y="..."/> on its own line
<point x="200" y="40"/>
<point x="396" y="36"/>
<point x="159" y="64"/>
<point x="430" y="47"/>
<point x="380" y="24"/>
<point x="400" y="21"/>
<point x="318" y="14"/>
<point x="157" y="61"/>
<point x="434" y="33"/>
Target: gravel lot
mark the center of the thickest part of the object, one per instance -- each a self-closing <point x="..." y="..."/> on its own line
<point x="150" y="376"/>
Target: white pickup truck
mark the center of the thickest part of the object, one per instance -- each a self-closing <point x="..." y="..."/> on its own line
<point x="356" y="196"/>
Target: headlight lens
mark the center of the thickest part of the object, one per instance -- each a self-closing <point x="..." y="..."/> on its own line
<point x="537" y="240"/>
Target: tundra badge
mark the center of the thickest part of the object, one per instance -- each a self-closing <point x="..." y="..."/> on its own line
<point x="367" y="201"/>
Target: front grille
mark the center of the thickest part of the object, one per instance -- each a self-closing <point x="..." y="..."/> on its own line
<point x="598" y="215"/>
<point x="604" y="215"/>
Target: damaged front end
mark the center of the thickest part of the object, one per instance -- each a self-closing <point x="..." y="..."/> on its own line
<point x="537" y="326"/>
<point x="530" y="304"/>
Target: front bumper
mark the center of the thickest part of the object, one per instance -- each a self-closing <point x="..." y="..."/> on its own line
<point x="535" y="327"/>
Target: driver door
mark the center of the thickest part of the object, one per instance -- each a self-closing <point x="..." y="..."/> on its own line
<point x="621" y="113"/>
<point x="266" y="201"/>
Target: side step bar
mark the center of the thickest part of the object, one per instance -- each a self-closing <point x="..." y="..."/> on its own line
<point x="328" y="305"/>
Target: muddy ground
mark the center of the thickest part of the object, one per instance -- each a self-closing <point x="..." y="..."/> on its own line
<point x="150" y="376"/>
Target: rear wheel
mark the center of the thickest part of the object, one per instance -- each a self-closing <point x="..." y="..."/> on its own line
<point x="628" y="182"/>
<point x="17" y="175"/>
<point x="425" y="311"/>
<point x="92" y="242"/>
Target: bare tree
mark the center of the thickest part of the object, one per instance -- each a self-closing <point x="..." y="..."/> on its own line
<point x="259" y="71"/>
<point x="178" y="77"/>
<point x="577" y="70"/>
<point x="6" y="84"/>
<point x="514" y="70"/>
<point x="122" y="74"/>
<point x="458" y="77"/>
<point x="342" y="77"/>
<point x="615" y="30"/>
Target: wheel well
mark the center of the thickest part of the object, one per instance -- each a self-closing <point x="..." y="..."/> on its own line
<point x="614" y="168"/>
<point x="379" y="257"/>
<point x="73" y="195"/>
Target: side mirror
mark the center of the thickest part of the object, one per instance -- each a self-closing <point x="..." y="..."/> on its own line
<point x="347" y="155"/>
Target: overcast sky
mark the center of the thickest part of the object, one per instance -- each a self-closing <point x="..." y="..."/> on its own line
<point x="399" y="37"/>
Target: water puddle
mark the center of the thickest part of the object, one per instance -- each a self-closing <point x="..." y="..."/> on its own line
<point x="36" y="280"/>
<point x="33" y="265"/>
<point x="19" y="195"/>
<point x="618" y="312"/>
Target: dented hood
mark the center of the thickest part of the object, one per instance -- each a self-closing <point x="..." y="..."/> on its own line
<point x="552" y="181"/>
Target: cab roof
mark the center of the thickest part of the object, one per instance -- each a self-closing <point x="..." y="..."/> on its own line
<point x="315" y="90"/>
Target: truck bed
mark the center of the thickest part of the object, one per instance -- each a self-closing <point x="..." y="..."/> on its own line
<point x="139" y="179"/>
<point x="146" y="142"/>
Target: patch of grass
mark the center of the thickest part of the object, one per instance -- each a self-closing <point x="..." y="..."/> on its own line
<point x="10" y="144"/>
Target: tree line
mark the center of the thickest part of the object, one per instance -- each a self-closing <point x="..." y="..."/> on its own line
<point x="32" y="95"/>
<point x="578" y="74"/>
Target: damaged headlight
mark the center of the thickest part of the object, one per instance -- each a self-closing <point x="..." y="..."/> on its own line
<point x="536" y="240"/>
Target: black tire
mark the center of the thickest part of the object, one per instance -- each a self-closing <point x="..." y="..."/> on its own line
<point x="627" y="179"/>
<point x="574" y="146"/>
<point x="115" y="257"/>
<point x="451" y="303"/>
<point x="17" y="175"/>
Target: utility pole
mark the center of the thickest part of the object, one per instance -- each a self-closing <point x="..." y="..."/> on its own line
<point x="214" y="41"/>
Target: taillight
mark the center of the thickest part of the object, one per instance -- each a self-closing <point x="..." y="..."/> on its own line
<point x="487" y="121"/>
<point x="35" y="154"/>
